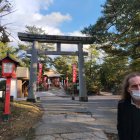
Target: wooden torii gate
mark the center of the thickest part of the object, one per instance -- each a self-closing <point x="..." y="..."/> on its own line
<point x="35" y="38"/>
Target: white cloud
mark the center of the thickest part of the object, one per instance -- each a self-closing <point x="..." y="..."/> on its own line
<point x="76" y="33"/>
<point x="52" y="30"/>
<point x="28" y="12"/>
<point x="31" y="6"/>
<point x="54" y="19"/>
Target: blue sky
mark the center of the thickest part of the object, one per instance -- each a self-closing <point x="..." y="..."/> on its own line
<point x="83" y="12"/>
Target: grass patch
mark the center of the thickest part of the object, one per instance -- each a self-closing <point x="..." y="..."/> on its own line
<point x="23" y="116"/>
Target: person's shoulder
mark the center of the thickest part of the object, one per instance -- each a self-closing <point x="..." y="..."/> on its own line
<point x="124" y="101"/>
<point x="121" y="101"/>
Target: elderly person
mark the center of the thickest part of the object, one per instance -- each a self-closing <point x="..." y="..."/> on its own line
<point x="129" y="109"/>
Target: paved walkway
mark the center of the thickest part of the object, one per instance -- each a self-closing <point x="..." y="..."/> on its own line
<point x="66" y="119"/>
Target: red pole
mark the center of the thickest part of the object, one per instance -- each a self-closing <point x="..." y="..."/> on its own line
<point x="7" y="99"/>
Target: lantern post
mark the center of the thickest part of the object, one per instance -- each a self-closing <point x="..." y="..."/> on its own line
<point x="8" y="71"/>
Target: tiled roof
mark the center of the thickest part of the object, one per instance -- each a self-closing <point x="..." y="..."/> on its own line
<point x="52" y="73"/>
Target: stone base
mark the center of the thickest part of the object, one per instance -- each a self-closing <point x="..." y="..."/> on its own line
<point x="73" y="98"/>
<point x="5" y="117"/>
<point x="38" y="98"/>
<point x="83" y="99"/>
<point x="11" y="98"/>
<point x="31" y="100"/>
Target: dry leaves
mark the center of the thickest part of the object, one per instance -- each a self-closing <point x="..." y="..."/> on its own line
<point x="23" y="116"/>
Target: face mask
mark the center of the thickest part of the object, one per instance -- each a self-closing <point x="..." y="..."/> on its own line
<point x="135" y="94"/>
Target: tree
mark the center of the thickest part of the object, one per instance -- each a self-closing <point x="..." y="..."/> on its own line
<point x="112" y="71"/>
<point x="92" y="69"/>
<point x="42" y="58"/>
<point x="34" y="30"/>
<point x="5" y="9"/>
<point x="117" y="33"/>
<point x="63" y="65"/>
<point x="118" y="30"/>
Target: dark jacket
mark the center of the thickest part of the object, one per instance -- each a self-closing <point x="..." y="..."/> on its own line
<point x="124" y="120"/>
<point x="128" y="121"/>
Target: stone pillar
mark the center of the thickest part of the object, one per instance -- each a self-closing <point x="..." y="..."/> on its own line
<point x="82" y="84"/>
<point x="33" y="74"/>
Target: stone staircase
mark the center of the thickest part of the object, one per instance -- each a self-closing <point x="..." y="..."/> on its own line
<point x="53" y="91"/>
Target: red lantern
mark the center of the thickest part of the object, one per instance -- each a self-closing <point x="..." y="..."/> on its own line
<point x="9" y="67"/>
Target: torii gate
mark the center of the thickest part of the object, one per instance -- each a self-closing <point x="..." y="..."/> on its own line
<point x="35" y="38"/>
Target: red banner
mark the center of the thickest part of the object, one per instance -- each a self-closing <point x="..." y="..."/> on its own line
<point x="74" y="70"/>
<point x="39" y="77"/>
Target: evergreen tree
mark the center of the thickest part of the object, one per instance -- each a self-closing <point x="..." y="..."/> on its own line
<point x="118" y="29"/>
<point x="5" y="9"/>
<point x="42" y="58"/>
<point x="117" y="33"/>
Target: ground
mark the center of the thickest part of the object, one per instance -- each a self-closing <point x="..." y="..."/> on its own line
<point x="112" y="136"/>
<point x="24" y="115"/>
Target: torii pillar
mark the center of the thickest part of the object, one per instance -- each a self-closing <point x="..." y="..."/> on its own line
<point x="82" y="84"/>
<point x="33" y="74"/>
